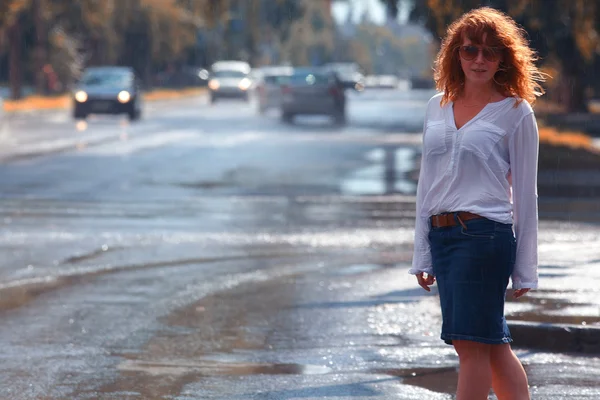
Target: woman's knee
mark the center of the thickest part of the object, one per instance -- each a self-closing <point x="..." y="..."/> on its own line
<point x="501" y="350"/>
<point x="472" y="351"/>
<point x="502" y="353"/>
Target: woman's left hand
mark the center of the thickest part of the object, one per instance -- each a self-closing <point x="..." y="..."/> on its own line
<point x="520" y="292"/>
<point x="425" y="280"/>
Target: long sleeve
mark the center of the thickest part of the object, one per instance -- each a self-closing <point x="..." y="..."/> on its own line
<point x="421" y="261"/>
<point x="523" y="153"/>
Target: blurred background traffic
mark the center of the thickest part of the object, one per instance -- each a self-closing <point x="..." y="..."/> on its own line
<point x="241" y="49"/>
<point x="45" y="45"/>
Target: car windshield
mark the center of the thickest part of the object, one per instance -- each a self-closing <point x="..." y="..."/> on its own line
<point x="225" y="73"/>
<point x="276" y="78"/>
<point x="308" y="78"/>
<point x="106" y="78"/>
<point x="344" y="68"/>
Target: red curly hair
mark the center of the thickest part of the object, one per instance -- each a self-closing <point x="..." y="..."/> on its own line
<point x="517" y="74"/>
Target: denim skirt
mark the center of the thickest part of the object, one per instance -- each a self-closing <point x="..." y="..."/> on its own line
<point x="472" y="267"/>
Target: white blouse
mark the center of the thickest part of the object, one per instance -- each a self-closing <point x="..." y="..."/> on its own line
<point x="487" y="167"/>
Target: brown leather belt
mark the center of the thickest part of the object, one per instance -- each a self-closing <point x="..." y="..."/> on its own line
<point x="448" y="219"/>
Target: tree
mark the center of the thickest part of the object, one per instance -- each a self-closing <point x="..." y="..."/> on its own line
<point x="311" y="39"/>
<point x="565" y="30"/>
<point x="391" y="7"/>
<point x="9" y="11"/>
<point x="281" y="14"/>
<point x="10" y="27"/>
<point x="149" y="35"/>
<point x="141" y="33"/>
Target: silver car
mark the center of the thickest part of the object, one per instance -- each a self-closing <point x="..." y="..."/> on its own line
<point x="313" y="91"/>
<point x="268" y="85"/>
<point x="108" y="90"/>
<point x="229" y="79"/>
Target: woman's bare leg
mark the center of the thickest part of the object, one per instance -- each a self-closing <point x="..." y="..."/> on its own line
<point x="475" y="372"/>
<point x="508" y="376"/>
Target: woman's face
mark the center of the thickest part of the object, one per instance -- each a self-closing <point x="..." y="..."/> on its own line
<point x="479" y="62"/>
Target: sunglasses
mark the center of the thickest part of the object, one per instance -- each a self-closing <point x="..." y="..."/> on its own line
<point x="469" y="52"/>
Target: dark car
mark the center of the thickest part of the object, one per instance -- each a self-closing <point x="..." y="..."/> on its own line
<point x="313" y="91"/>
<point x="108" y="90"/>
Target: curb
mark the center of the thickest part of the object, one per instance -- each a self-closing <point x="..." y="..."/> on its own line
<point x="556" y="337"/>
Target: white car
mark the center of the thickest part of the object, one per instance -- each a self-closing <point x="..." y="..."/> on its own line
<point x="268" y="83"/>
<point x="229" y="79"/>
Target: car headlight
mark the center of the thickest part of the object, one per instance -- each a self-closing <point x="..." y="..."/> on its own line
<point x="124" y="96"/>
<point x="245" y="84"/>
<point x="214" y="84"/>
<point x="81" y="96"/>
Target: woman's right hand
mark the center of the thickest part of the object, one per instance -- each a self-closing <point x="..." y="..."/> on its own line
<point x="425" y="280"/>
<point x="520" y="292"/>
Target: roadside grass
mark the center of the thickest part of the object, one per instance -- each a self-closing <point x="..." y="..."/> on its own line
<point x="575" y="140"/>
<point x="544" y="107"/>
<point x="171" y="94"/>
<point x="35" y="102"/>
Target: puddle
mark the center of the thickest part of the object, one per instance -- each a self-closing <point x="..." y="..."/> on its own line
<point x="355" y="269"/>
<point x="546" y="303"/>
<point x="213" y="368"/>
<point x="554" y="310"/>
<point x="441" y="380"/>
<point x="390" y="172"/>
<point x="563" y="267"/>
<point x="553" y="275"/>
<point x="555" y="319"/>
<point x="204" y="185"/>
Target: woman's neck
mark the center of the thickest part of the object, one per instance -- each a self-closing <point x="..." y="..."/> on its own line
<point x="474" y="92"/>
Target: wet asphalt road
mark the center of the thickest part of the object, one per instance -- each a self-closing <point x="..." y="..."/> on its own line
<point x="211" y="253"/>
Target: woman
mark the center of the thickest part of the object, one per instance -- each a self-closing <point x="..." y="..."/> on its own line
<point x="478" y="179"/>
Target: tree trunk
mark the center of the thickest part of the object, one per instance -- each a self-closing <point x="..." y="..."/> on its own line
<point x="573" y="76"/>
<point x="147" y="72"/>
<point x="252" y="30"/>
<point x="391" y="9"/>
<point x="574" y="94"/>
<point x="39" y="53"/>
<point x="15" y="75"/>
